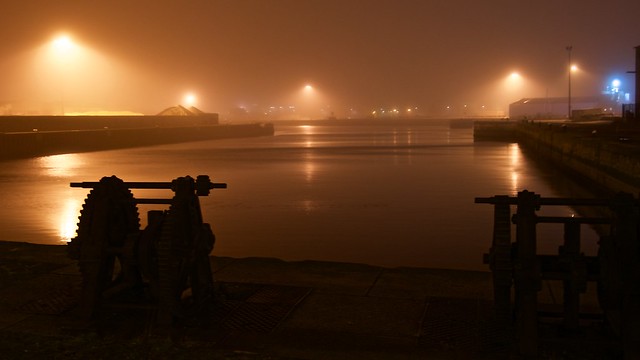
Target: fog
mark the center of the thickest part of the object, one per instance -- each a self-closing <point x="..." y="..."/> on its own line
<point x="253" y="57"/>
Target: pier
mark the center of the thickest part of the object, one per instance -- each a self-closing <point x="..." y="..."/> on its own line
<point x="29" y="136"/>
<point x="604" y="153"/>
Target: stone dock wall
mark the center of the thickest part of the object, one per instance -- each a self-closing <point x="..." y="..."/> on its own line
<point x="608" y="154"/>
<point x="93" y="136"/>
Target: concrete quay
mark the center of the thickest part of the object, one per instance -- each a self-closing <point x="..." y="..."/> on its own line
<point x="30" y="136"/>
<point x="606" y="153"/>
<point x="273" y="309"/>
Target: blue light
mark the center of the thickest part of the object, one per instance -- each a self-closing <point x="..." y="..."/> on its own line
<point x="615" y="84"/>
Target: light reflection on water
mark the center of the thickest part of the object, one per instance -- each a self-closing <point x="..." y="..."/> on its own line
<point x="65" y="165"/>
<point x="69" y="219"/>
<point x="514" y="153"/>
<point x="386" y="195"/>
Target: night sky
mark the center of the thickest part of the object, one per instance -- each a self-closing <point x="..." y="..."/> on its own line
<point x="144" y="56"/>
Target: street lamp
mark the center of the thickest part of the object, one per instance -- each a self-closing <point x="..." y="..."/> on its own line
<point x="514" y="90"/>
<point x="62" y="43"/>
<point x="569" y="48"/>
<point x="189" y="99"/>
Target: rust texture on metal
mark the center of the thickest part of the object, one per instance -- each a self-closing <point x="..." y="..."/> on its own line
<point x="164" y="267"/>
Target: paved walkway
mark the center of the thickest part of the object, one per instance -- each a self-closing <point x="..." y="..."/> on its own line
<point x="267" y="308"/>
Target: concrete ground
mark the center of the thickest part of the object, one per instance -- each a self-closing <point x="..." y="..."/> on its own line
<point x="265" y="309"/>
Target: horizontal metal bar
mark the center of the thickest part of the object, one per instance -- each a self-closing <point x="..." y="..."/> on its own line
<point x="130" y="185"/>
<point x="568" y="219"/>
<point x="140" y="185"/>
<point x="154" y="201"/>
<point x="512" y="200"/>
<point x="575" y="202"/>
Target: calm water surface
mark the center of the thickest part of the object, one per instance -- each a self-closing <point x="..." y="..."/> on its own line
<point x="386" y="195"/>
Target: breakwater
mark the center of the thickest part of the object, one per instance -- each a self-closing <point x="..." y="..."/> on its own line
<point x="39" y="136"/>
<point x="18" y="123"/>
<point x="605" y="153"/>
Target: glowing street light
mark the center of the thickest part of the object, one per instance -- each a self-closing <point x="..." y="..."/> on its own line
<point x="63" y="43"/>
<point x="68" y="75"/>
<point x="514" y="85"/>
<point x="615" y="84"/>
<point x="190" y="99"/>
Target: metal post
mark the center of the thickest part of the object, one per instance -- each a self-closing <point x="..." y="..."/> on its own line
<point x="637" y="90"/>
<point x="569" y="48"/>
<point x="501" y="265"/>
<point x="628" y="248"/>
<point x="570" y="252"/>
<point x="527" y="274"/>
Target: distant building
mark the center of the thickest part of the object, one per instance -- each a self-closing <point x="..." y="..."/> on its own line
<point x="180" y="110"/>
<point x="558" y="107"/>
<point x="193" y="113"/>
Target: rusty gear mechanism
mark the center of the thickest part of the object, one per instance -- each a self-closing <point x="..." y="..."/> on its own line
<point x="165" y="266"/>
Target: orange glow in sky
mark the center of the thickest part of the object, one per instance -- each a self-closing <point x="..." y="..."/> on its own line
<point x="386" y="54"/>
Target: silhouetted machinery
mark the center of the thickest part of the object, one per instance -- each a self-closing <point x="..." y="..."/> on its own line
<point x="615" y="269"/>
<point x="165" y="266"/>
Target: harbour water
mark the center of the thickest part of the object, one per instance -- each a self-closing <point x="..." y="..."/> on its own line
<point x="390" y="195"/>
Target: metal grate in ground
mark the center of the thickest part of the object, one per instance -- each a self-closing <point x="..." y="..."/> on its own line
<point x="243" y="312"/>
<point x="54" y="303"/>
<point x="462" y="325"/>
<point x="16" y="270"/>
<point x="259" y="308"/>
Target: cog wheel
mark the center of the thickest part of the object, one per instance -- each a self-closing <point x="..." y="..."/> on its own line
<point x="105" y="244"/>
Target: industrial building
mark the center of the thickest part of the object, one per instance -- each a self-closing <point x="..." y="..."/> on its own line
<point x="558" y="108"/>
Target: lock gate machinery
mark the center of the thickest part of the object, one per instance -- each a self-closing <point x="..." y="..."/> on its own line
<point x="518" y="270"/>
<point x="164" y="267"/>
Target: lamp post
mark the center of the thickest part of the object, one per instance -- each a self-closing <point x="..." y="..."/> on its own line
<point x="569" y="48"/>
<point x="636" y="106"/>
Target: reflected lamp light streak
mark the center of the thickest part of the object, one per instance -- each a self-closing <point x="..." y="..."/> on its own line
<point x="68" y="219"/>
<point x="514" y="156"/>
<point x="309" y="206"/>
<point x="308" y="130"/>
<point x="514" y="183"/>
<point x="309" y="169"/>
<point x="65" y="165"/>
